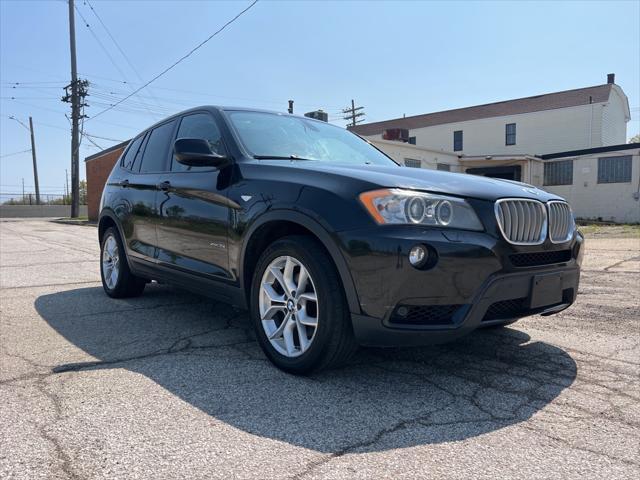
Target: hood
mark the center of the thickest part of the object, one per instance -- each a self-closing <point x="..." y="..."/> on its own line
<point x="435" y="181"/>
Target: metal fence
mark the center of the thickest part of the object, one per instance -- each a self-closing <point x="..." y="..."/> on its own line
<point x="29" y="198"/>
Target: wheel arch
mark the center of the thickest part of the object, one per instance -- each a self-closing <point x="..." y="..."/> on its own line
<point x="277" y="224"/>
<point x="109" y="219"/>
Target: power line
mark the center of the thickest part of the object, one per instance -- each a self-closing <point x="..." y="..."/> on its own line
<point x="180" y="60"/>
<point x="203" y="94"/>
<point x="92" y="142"/>
<point x="15" y="153"/>
<point x="124" y="55"/>
<point x="104" y="49"/>
<point x="103" y="138"/>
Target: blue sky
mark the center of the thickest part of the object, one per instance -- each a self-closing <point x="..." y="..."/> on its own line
<point x="393" y="58"/>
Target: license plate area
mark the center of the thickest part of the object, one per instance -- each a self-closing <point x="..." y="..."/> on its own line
<point x="546" y="290"/>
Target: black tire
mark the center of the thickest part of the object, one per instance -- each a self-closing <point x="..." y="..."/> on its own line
<point x="334" y="341"/>
<point x="127" y="284"/>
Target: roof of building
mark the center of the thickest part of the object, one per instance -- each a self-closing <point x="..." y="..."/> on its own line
<point x="548" y="101"/>
<point x="106" y="151"/>
<point x="588" y="151"/>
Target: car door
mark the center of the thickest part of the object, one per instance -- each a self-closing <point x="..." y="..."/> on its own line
<point x="152" y="159"/>
<point x="193" y="207"/>
<point x="134" y="202"/>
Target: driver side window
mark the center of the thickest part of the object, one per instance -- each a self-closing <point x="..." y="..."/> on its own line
<point x="203" y="126"/>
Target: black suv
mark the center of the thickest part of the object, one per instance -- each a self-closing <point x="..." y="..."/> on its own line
<point x="327" y="241"/>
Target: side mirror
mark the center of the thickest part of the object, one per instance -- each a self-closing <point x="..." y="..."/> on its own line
<point x="195" y="152"/>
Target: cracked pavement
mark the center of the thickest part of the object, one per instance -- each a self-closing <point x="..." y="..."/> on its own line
<point x="172" y="385"/>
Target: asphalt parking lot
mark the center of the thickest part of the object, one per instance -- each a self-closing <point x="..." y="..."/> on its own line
<point x="172" y="385"/>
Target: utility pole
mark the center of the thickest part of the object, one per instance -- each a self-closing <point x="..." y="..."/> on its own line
<point x="75" y="117"/>
<point x="35" y="164"/>
<point x="66" y="186"/>
<point x="76" y="91"/>
<point x="23" y="191"/>
<point x="353" y="114"/>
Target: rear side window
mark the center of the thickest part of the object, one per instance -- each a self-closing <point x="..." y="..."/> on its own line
<point x="156" y="152"/>
<point x="202" y="126"/>
<point x="129" y="158"/>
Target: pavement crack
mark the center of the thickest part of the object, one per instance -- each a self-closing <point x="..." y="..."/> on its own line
<point x="632" y="259"/>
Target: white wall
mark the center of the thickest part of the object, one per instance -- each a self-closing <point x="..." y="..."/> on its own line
<point x="537" y="133"/>
<point x="614" y="125"/>
<point x="428" y="158"/>
<point x="607" y="201"/>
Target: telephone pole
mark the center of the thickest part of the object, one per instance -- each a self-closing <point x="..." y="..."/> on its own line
<point x="35" y="164"/>
<point x="353" y="114"/>
<point x="76" y="91"/>
<point x="75" y="117"/>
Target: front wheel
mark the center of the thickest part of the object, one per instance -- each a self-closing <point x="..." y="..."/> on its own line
<point x="298" y="307"/>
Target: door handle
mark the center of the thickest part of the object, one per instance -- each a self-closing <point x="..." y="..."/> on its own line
<point x="124" y="183"/>
<point x="164" y="185"/>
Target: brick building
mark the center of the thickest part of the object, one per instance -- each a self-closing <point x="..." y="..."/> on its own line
<point x="98" y="167"/>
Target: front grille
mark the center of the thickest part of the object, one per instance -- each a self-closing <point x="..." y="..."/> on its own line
<point x="522" y="221"/>
<point x="561" y="224"/>
<point x="424" y="314"/>
<point x="540" y="258"/>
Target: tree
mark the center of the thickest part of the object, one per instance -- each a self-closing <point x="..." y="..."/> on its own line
<point x="635" y="138"/>
<point x="83" y="192"/>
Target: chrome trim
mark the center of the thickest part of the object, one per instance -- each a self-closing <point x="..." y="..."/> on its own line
<point x="522" y="209"/>
<point x="566" y="222"/>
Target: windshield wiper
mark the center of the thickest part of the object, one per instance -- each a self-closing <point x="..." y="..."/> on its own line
<point x="276" y="157"/>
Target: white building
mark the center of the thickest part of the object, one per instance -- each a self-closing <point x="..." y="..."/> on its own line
<point x="571" y="143"/>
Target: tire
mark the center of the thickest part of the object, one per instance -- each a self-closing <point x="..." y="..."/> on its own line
<point x="122" y="283"/>
<point x="331" y="342"/>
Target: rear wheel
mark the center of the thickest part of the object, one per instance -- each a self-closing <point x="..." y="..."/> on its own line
<point x="117" y="279"/>
<point x="298" y="307"/>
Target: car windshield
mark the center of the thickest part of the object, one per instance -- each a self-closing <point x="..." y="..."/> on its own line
<point x="279" y="136"/>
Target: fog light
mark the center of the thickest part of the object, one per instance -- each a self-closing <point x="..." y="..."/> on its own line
<point x="418" y="256"/>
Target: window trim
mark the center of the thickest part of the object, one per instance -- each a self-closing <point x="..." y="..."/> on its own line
<point x="175" y="137"/>
<point x="619" y="157"/>
<point x="461" y="132"/>
<point x="507" y="134"/>
<point x="557" y="162"/>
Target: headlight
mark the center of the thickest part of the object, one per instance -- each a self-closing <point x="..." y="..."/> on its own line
<point x="397" y="207"/>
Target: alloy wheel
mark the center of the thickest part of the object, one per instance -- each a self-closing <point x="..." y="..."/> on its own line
<point x="288" y="306"/>
<point x="110" y="262"/>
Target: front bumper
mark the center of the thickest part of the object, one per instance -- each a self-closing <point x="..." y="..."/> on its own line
<point x="503" y="297"/>
<point x="475" y="282"/>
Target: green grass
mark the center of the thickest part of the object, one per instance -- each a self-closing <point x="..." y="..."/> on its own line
<point x="604" y="230"/>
